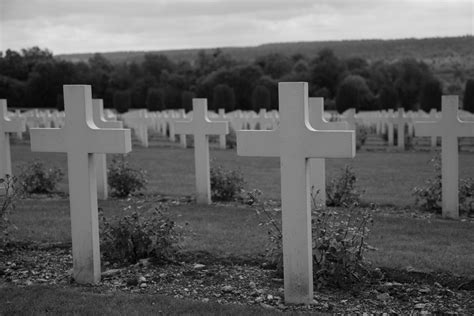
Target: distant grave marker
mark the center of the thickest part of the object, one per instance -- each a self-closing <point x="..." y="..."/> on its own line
<point x="80" y="138"/>
<point x="296" y="142"/>
<point x="401" y="120"/>
<point x="201" y="127"/>
<point x="318" y="165"/>
<point x="7" y="125"/>
<point x="450" y="128"/>
<point x="100" y="159"/>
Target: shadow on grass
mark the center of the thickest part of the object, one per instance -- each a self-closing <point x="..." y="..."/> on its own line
<point x="50" y="300"/>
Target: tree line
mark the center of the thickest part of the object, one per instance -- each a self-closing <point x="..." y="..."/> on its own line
<point x="33" y="78"/>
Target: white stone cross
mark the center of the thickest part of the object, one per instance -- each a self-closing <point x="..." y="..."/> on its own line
<point x="80" y="138"/>
<point x="201" y="127"/>
<point x="390" y="121"/>
<point x="401" y="120"/>
<point x="100" y="159"/>
<point x="449" y="127"/>
<point x="19" y="116"/>
<point x="318" y="165"/>
<point x="350" y="118"/>
<point x="222" y="137"/>
<point x="182" y="137"/>
<point x="295" y="142"/>
<point x="7" y="125"/>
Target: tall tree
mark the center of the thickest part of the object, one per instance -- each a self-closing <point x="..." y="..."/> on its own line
<point x="260" y="98"/>
<point x="468" y="100"/>
<point x="412" y="75"/>
<point x="431" y="94"/>
<point x="122" y="101"/>
<point x="353" y="92"/>
<point x="327" y="71"/>
<point x="223" y="98"/>
<point x="388" y="98"/>
<point x="275" y="65"/>
<point x="154" y="100"/>
<point x="187" y="100"/>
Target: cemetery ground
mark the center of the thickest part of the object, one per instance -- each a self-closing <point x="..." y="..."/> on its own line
<point x="425" y="262"/>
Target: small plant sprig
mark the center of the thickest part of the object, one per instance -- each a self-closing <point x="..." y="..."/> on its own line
<point x="142" y="233"/>
<point x="339" y="243"/>
<point x="428" y="197"/>
<point x="340" y="191"/>
<point x="124" y="179"/>
<point x="226" y="185"/>
<point x="12" y="191"/>
<point x="36" y="178"/>
<point x="339" y="238"/>
<point x="266" y="218"/>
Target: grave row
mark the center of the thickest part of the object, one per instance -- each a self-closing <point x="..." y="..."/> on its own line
<point x="380" y="124"/>
<point x="302" y="139"/>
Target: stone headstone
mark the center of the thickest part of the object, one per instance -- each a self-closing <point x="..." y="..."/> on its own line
<point x="201" y="127"/>
<point x="449" y="128"/>
<point x="80" y="138"/>
<point x="318" y="165"/>
<point x="295" y="142"/>
<point x="7" y="125"/>
<point x="101" y="159"/>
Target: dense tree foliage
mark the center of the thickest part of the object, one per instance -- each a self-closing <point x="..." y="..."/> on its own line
<point x="431" y="94"/>
<point x="34" y="78"/>
<point x="223" y="98"/>
<point x="353" y="92"/>
<point x="154" y="100"/>
<point x="260" y="98"/>
<point x="122" y="101"/>
<point x="187" y="100"/>
<point x="468" y="100"/>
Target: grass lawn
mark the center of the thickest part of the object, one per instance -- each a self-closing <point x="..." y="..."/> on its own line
<point x="42" y="300"/>
<point x="233" y="231"/>
<point x="385" y="178"/>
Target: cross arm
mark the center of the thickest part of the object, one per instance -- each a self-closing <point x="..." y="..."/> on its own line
<point x="465" y="128"/>
<point x="258" y="143"/>
<point x="110" y="141"/>
<point x="337" y="126"/>
<point x="48" y="139"/>
<point x="217" y="128"/>
<point x="423" y="129"/>
<point x="15" y="125"/>
<point x="329" y="144"/>
<point x="183" y="127"/>
<point x="109" y="124"/>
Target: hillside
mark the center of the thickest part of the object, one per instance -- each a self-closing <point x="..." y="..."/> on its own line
<point x="429" y="49"/>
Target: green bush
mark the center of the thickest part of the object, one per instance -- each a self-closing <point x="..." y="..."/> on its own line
<point x="339" y="243"/>
<point x="231" y="139"/>
<point x="226" y="185"/>
<point x="428" y="197"/>
<point x="124" y="179"/>
<point x="11" y="192"/>
<point x="138" y="235"/>
<point x="361" y="135"/>
<point x="339" y="239"/>
<point x="340" y="191"/>
<point x="35" y="177"/>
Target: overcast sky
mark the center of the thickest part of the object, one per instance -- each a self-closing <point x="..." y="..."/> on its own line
<point x="68" y="26"/>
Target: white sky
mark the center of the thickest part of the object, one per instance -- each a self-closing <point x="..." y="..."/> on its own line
<point x="69" y="26"/>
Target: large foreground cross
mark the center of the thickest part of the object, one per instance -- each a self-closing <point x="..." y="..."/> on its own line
<point x="80" y="138"/>
<point x="201" y="127"/>
<point x="295" y="142"/>
<point x="7" y="125"/>
<point x="449" y="127"/>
